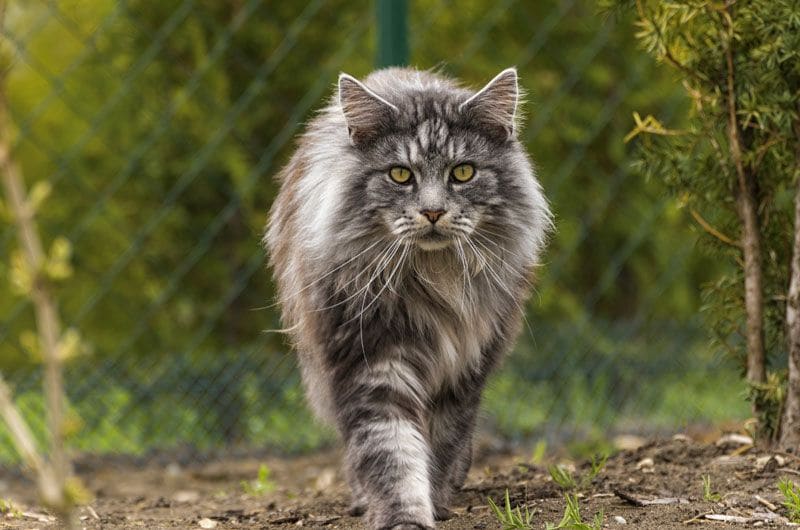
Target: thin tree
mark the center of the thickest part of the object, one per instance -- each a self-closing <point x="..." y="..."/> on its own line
<point x="53" y="473"/>
<point x="731" y="166"/>
<point x="790" y="432"/>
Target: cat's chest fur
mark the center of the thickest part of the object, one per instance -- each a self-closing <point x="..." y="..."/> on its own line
<point x="453" y="324"/>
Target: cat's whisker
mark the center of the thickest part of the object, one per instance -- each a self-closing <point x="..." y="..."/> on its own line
<point x="501" y="249"/>
<point x="379" y="258"/>
<point x="375" y="299"/>
<point x="332" y="271"/>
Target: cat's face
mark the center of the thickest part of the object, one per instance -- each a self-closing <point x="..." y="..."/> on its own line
<point x="431" y="193"/>
<point x="435" y="167"/>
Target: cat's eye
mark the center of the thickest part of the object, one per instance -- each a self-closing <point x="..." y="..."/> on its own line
<point x="400" y="174"/>
<point x="463" y="172"/>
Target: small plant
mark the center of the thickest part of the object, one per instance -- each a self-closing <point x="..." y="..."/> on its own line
<point x="8" y="509"/>
<point x="708" y="494"/>
<point x="563" y="477"/>
<point x="261" y="485"/>
<point x="791" y="499"/>
<point x="598" y="463"/>
<point x="512" y="519"/>
<point x="539" y="451"/>
<point x="572" y="517"/>
<point x="567" y="481"/>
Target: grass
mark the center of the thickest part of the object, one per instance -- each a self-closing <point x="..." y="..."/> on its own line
<point x="510" y="518"/>
<point x="261" y="485"/>
<point x="514" y="519"/>
<point x="709" y="495"/>
<point x="572" y="517"/>
<point x="791" y="499"/>
<point x="567" y="481"/>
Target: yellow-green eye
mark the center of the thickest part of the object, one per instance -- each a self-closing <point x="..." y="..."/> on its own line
<point x="463" y="172"/>
<point x="400" y="174"/>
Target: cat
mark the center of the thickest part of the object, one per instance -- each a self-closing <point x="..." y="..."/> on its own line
<point x="403" y="240"/>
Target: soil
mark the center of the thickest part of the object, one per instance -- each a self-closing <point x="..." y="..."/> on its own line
<point x="657" y="485"/>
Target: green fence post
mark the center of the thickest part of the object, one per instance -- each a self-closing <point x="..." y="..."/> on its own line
<point x="392" y="33"/>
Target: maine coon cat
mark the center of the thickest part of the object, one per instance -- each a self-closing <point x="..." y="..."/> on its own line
<point x="403" y="241"/>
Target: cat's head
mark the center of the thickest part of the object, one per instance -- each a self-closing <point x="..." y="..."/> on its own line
<point x="438" y="164"/>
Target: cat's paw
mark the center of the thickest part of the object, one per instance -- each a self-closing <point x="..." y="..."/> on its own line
<point x="443" y="513"/>
<point x="357" y="509"/>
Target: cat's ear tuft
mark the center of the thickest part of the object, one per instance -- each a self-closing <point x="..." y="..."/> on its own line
<point x="366" y="113"/>
<point x="494" y="107"/>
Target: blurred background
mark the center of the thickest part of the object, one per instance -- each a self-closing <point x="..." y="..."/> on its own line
<point x="158" y="127"/>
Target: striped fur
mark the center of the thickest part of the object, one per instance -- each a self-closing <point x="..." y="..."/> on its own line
<point x="398" y="321"/>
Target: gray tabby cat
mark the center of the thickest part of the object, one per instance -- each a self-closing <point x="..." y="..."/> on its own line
<point x="403" y="239"/>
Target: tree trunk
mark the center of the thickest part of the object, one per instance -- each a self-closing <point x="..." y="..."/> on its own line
<point x="747" y="202"/>
<point x="753" y="286"/>
<point x="790" y="423"/>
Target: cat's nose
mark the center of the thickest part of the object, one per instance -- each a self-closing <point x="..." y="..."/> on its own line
<point x="432" y="215"/>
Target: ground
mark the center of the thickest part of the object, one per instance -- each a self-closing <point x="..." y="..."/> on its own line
<point x="657" y="485"/>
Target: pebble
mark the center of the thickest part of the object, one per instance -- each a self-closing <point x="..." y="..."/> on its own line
<point x="734" y="439"/>
<point x="645" y="465"/>
<point x="205" y="522"/>
<point x="620" y="520"/>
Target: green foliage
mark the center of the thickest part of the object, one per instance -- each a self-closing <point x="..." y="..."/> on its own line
<point x="261" y="485"/>
<point x="695" y="158"/>
<point x="572" y="517"/>
<point x="512" y="518"/>
<point x="791" y="499"/>
<point x="709" y="495"/>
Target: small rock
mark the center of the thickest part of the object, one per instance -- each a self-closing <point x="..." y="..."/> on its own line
<point x="619" y="519"/>
<point x="186" y="496"/>
<point x="769" y="463"/>
<point x="734" y="439"/>
<point x="173" y="470"/>
<point x="645" y="465"/>
<point x="205" y="522"/>
<point x="325" y="479"/>
<point x="628" y="442"/>
<point x="681" y="438"/>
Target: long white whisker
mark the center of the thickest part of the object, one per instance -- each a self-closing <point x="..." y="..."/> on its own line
<point x="378" y="259"/>
<point x="364" y="309"/>
<point x="316" y="281"/>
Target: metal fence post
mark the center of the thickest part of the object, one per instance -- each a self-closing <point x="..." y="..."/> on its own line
<point x="392" y="33"/>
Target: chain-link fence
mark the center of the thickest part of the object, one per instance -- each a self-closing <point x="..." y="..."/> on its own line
<point x="158" y="127"/>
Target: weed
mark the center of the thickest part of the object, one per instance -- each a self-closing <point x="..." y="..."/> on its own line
<point x="261" y="485"/>
<point x="567" y="481"/>
<point x="708" y="494"/>
<point x="563" y="477"/>
<point x="791" y="499"/>
<point x="8" y="509"/>
<point x="512" y="519"/>
<point x="572" y="517"/>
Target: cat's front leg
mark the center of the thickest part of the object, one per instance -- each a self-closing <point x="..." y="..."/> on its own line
<point x="387" y="451"/>
<point x="452" y="421"/>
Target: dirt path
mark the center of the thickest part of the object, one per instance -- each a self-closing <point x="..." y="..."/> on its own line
<point x="309" y="492"/>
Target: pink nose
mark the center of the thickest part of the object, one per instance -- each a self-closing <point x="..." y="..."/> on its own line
<point x="432" y="215"/>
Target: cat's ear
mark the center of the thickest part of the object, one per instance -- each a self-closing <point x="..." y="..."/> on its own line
<point x="494" y="107"/>
<point x="366" y="113"/>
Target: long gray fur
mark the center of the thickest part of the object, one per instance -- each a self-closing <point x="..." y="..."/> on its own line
<point x="398" y="321"/>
